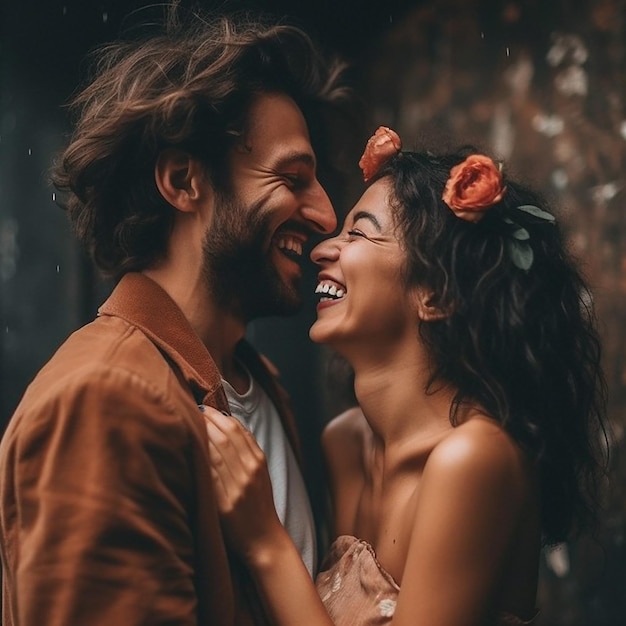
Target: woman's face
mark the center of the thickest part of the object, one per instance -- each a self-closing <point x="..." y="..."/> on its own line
<point x="363" y="296"/>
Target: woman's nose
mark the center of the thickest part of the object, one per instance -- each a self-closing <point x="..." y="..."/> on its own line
<point x="326" y="250"/>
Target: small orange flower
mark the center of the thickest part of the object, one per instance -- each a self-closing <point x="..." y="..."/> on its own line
<point x="473" y="187"/>
<point x="380" y="147"/>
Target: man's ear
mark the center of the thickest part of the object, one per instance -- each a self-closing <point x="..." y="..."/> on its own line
<point x="426" y="310"/>
<point x="180" y="178"/>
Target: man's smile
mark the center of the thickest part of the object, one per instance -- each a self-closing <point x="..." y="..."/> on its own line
<point x="290" y="245"/>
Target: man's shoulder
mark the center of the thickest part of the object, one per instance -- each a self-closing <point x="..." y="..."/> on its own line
<point x="107" y="358"/>
<point x="104" y="344"/>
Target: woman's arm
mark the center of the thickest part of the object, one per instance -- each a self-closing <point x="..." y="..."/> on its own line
<point x="244" y="498"/>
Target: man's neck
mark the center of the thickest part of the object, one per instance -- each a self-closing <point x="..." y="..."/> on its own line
<point x="219" y="330"/>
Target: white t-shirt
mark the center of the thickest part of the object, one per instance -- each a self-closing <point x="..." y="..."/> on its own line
<point x="255" y="411"/>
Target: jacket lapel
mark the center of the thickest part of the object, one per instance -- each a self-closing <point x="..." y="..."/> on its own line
<point x="143" y="303"/>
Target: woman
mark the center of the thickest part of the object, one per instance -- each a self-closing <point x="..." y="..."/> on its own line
<point x="479" y="431"/>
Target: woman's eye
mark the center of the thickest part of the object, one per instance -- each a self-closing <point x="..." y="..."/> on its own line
<point x="356" y="233"/>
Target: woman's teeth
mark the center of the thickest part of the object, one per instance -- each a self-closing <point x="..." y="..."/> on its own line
<point x="329" y="291"/>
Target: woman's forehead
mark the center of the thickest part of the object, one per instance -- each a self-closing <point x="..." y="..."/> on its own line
<point x="375" y="200"/>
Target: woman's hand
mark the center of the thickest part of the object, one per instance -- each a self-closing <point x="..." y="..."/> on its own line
<point x="242" y="486"/>
<point x="246" y="505"/>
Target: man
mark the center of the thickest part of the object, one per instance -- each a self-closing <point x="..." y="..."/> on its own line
<point x="192" y="179"/>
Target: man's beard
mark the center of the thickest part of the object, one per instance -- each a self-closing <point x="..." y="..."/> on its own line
<point x="238" y="267"/>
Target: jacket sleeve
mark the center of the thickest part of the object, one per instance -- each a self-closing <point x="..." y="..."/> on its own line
<point x="103" y="489"/>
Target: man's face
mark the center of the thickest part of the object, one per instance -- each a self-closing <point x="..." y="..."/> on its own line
<point x="254" y="246"/>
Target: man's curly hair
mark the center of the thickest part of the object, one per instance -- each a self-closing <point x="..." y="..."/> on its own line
<point x="189" y="87"/>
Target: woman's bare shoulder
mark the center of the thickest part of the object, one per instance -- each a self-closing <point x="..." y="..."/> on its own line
<point x="344" y="436"/>
<point x="349" y="423"/>
<point x="481" y="448"/>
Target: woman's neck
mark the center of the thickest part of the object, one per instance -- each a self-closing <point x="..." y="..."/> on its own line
<point x="396" y="401"/>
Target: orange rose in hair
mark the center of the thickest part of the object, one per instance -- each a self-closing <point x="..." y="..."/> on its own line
<point x="473" y="187"/>
<point x="380" y="147"/>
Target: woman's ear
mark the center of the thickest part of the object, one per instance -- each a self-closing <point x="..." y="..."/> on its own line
<point x="180" y="179"/>
<point x="426" y="310"/>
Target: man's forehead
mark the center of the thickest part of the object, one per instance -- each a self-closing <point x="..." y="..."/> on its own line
<point x="275" y="121"/>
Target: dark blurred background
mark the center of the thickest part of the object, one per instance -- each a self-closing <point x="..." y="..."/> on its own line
<point x="538" y="83"/>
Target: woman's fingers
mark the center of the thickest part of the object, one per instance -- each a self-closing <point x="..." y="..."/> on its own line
<point x="229" y="450"/>
<point x="233" y="430"/>
<point x="238" y="464"/>
<point x="234" y="442"/>
<point x="221" y="481"/>
<point x="243" y="490"/>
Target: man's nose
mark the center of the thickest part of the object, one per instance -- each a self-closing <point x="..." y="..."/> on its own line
<point x="318" y="210"/>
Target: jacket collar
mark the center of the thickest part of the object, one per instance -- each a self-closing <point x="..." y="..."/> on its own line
<point x="141" y="302"/>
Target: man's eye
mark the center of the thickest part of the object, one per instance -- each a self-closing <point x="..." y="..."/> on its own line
<point x="294" y="180"/>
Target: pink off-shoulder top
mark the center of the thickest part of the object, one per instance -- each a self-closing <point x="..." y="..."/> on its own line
<point x="357" y="591"/>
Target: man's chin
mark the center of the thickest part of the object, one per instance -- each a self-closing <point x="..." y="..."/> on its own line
<point x="282" y="304"/>
<point x="287" y="296"/>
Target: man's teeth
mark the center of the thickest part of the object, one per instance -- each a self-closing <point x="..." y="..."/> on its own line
<point x="292" y="244"/>
<point x="330" y="291"/>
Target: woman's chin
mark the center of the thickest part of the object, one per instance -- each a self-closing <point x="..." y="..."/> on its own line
<point x="314" y="334"/>
<point x="317" y="334"/>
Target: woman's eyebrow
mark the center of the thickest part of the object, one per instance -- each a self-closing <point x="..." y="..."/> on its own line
<point x="368" y="216"/>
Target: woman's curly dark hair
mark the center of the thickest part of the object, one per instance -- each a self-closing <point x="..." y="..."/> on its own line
<point x="521" y="343"/>
<point x="189" y="87"/>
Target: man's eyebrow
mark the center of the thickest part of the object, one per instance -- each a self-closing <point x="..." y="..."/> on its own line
<point x="367" y="216"/>
<point x="291" y="158"/>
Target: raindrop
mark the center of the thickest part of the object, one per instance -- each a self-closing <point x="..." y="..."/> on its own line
<point x="64" y="10"/>
<point x="58" y="268"/>
<point x="390" y="19"/>
<point x="604" y="193"/>
<point x="622" y="129"/>
<point x="560" y="179"/>
<point x="6" y="330"/>
<point x="508" y="51"/>
<point x="482" y="35"/>
<point x="54" y="197"/>
<point x="549" y="125"/>
<point x="30" y="151"/>
<point x="572" y="81"/>
<point x="558" y="560"/>
<point x="105" y="17"/>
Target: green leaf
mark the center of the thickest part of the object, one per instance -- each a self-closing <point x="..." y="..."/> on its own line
<point x="521" y="254"/>
<point x="537" y="212"/>
<point x="521" y="234"/>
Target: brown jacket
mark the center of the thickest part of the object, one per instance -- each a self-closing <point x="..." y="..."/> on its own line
<point x="107" y="514"/>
